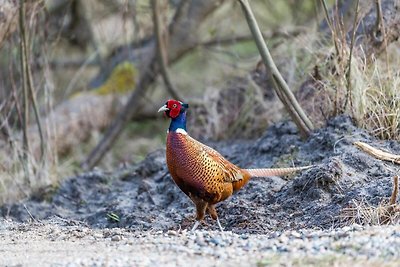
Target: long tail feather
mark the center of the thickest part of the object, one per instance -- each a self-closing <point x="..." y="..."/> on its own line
<point x="275" y="172"/>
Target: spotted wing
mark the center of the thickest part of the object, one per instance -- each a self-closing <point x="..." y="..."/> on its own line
<point x="231" y="172"/>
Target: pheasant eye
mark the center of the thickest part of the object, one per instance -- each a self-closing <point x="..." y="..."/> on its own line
<point x="174" y="105"/>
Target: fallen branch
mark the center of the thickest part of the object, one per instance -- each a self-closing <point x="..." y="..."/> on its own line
<point x="377" y="153"/>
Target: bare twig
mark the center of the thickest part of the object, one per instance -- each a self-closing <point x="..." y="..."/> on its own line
<point x="25" y="105"/>
<point x="162" y="48"/>
<point x="9" y="11"/>
<point x="395" y="191"/>
<point x="28" y="90"/>
<point x="348" y="73"/>
<point x="377" y="153"/>
<point x="380" y="32"/>
<point x="29" y="213"/>
<point x="285" y="33"/>
<point x="33" y="100"/>
<point x="296" y="112"/>
<point x="331" y="26"/>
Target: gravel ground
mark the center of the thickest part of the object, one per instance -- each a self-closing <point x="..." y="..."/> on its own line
<point x="62" y="243"/>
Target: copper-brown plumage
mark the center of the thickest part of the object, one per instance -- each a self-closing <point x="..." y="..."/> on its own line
<point x="202" y="173"/>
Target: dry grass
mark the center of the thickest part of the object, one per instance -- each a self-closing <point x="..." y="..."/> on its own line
<point x="361" y="212"/>
<point x="381" y="112"/>
<point x="376" y="97"/>
<point x="21" y="176"/>
<point x="371" y="97"/>
<point x="367" y="88"/>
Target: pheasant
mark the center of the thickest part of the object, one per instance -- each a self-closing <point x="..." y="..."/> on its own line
<point x="202" y="173"/>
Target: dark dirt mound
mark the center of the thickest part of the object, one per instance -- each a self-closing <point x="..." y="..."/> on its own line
<point x="145" y="196"/>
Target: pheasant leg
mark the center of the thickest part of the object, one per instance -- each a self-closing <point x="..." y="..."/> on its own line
<point x="201" y="207"/>
<point x="213" y="213"/>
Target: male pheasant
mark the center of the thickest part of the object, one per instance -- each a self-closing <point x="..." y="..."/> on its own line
<point x="203" y="174"/>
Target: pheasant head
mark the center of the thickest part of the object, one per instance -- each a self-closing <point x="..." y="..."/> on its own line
<point x="176" y="110"/>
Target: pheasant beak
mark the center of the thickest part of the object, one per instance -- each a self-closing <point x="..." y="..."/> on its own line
<point x="163" y="108"/>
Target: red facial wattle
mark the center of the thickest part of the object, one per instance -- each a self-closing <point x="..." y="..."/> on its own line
<point x="174" y="107"/>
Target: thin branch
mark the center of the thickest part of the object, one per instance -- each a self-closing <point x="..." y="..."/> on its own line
<point x="348" y="73"/>
<point x="395" y="191"/>
<point x="161" y="46"/>
<point x="28" y="87"/>
<point x="32" y="93"/>
<point x="379" y="20"/>
<point x="25" y="105"/>
<point x="290" y="33"/>
<point x="380" y="33"/>
<point x="295" y="111"/>
<point x="331" y="26"/>
<point x="135" y="21"/>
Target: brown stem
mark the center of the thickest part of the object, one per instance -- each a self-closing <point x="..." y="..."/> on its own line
<point x="380" y="32"/>
<point x="379" y="20"/>
<point x="331" y="26"/>
<point x="395" y="191"/>
<point x="32" y="94"/>
<point x="348" y="73"/>
<point x="25" y="105"/>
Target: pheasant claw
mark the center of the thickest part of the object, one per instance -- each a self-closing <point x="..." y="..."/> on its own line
<point x="195" y="226"/>
<point x="219" y="225"/>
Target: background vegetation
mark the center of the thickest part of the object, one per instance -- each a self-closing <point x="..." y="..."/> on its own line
<point x="68" y="68"/>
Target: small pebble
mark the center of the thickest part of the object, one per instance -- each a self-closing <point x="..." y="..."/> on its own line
<point x="116" y="238"/>
<point x="172" y="233"/>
